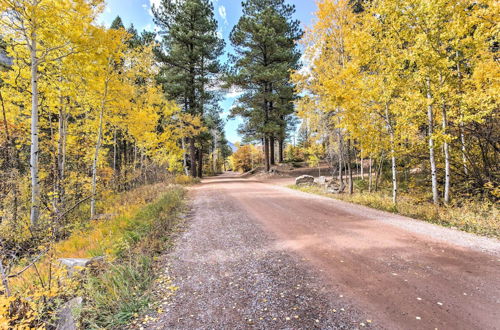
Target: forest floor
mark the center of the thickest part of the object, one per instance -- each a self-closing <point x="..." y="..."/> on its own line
<point x="257" y="255"/>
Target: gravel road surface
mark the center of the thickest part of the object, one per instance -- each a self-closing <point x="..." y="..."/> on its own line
<point x="256" y="255"/>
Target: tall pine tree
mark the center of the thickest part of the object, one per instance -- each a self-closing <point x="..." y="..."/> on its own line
<point x="266" y="53"/>
<point x="189" y="54"/>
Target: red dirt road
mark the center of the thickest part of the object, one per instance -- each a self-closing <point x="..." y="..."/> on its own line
<point x="404" y="279"/>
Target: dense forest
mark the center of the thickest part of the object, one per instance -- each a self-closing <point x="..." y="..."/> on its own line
<point x="412" y="82"/>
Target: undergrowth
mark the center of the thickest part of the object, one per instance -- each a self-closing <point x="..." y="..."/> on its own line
<point x="140" y="225"/>
<point x="479" y="217"/>
<point x="120" y="292"/>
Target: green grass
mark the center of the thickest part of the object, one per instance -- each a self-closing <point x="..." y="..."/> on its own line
<point x="120" y="291"/>
<point x="479" y="217"/>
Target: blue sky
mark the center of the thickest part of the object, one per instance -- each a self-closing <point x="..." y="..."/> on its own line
<point x="228" y="12"/>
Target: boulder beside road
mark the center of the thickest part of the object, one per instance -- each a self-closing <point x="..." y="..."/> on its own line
<point x="304" y="180"/>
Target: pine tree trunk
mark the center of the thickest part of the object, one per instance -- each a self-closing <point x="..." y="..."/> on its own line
<point x="192" y="152"/>
<point x="266" y="154"/>
<point x="35" y="184"/>
<point x="430" y="117"/>
<point x="281" y="149"/>
<point x="446" y="148"/>
<point x="200" y="161"/>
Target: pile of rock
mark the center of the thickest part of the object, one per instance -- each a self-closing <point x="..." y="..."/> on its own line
<point x="330" y="186"/>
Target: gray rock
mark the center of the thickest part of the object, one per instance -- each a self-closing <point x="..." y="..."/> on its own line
<point x="334" y="187"/>
<point x="68" y="313"/>
<point x="74" y="264"/>
<point x="320" y="180"/>
<point x="304" y="180"/>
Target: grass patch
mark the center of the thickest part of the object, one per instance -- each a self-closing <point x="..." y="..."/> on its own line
<point x="121" y="291"/>
<point x="478" y="217"/>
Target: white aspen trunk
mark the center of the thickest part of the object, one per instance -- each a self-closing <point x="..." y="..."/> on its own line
<point x="393" y="157"/>
<point x="464" y="149"/>
<point x="96" y="156"/>
<point x="362" y="169"/>
<point x="65" y="130"/>
<point x="341" y="175"/>
<point x="143" y="174"/>
<point x="394" y="174"/>
<point x="61" y="152"/>
<point x="349" y="168"/>
<point x="114" y="151"/>
<point x="446" y="148"/>
<point x="184" y="155"/>
<point x="370" y="179"/>
<point x="35" y="184"/>
<point x="430" y="117"/>
<point x="135" y="155"/>
<point x="461" y="125"/>
<point x="5" y="280"/>
<point x="142" y="161"/>
<point x="55" y="167"/>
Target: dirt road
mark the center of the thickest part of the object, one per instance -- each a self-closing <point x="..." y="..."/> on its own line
<point x="258" y="255"/>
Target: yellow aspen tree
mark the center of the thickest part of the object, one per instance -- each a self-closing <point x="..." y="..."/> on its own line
<point x="108" y="90"/>
<point x="476" y="83"/>
<point x="328" y="76"/>
<point x="44" y="30"/>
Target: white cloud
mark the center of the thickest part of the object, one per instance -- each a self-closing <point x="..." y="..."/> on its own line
<point x="234" y="93"/>
<point x="155" y="3"/>
<point x="223" y="13"/>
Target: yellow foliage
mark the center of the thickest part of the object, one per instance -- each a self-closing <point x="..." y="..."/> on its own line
<point x="245" y="158"/>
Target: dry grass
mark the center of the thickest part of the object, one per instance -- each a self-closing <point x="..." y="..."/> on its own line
<point x="478" y="217"/>
<point x="139" y="225"/>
